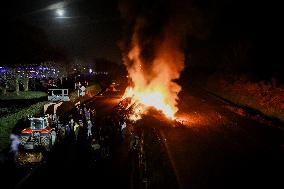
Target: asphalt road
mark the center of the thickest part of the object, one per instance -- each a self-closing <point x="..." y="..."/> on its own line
<point x="71" y="164"/>
<point x="215" y="148"/>
<point x="218" y="148"/>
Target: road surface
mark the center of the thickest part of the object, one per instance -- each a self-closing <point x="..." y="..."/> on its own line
<point x="216" y="148"/>
<point x="71" y="164"/>
<point x="219" y="148"/>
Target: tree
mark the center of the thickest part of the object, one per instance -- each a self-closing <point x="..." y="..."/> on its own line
<point x="3" y="88"/>
<point x="61" y="71"/>
<point x="26" y="83"/>
<point x="3" y="83"/>
<point x="17" y="87"/>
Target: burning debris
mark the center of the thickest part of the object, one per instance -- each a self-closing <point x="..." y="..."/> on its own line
<point x="130" y="109"/>
<point x="155" y="86"/>
<point x="153" y="56"/>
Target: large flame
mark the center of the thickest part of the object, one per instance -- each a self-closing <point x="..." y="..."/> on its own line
<point x="153" y="82"/>
<point x="154" y="61"/>
<point x="149" y="98"/>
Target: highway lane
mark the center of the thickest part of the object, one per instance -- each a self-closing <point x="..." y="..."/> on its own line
<point x="71" y="164"/>
<point x="218" y="148"/>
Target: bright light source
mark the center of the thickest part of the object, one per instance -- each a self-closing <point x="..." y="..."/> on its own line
<point x="90" y="70"/>
<point x="60" y="12"/>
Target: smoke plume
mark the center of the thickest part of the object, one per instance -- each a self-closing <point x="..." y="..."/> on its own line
<point x="153" y="45"/>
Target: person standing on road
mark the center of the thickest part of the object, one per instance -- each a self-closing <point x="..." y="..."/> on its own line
<point x="87" y="114"/>
<point x="76" y="130"/>
<point x="123" y="130"/>
<point x="93" y="113"/>
<point x="89" y="129"/>
<point x="72" y="124"/>
<point x="15" y="142"/>
<point x="96" y="149"/>
<point x="68" y="129"/>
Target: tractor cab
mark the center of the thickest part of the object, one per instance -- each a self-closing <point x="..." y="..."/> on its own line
<point x="38" y="123"/>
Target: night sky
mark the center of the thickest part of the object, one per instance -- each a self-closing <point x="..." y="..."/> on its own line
<point x="94" y="28"/>
<point x="89" y="29"/>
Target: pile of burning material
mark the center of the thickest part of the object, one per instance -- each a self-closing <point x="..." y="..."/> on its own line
<point x="154" y="51"/>
<point x="123" y="104"/>
<point x="154" y="63"/>
<point x="135" y="111"/>
<point x="129" y="109"/>
<point x="134" y="104"/>
<point x="132" y="109"/>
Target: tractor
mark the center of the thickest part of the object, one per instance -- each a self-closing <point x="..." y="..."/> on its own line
<point x="39" y="134"/>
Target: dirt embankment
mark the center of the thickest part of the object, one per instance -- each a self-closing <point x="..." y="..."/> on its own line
<point x="265" y="97"/>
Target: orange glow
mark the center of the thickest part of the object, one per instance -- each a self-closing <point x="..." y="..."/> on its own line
<point x="155" y="99"/>
<point x="153" y="79"/>
<point x="193" y="119"/>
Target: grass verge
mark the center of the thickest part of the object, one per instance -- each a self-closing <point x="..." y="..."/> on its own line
<point x="266" y="97"/>
<point x="7" y="123"/>
<point x="23" y="95"/>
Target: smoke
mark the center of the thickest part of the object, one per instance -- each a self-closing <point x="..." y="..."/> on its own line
<point x="153" y="45"/>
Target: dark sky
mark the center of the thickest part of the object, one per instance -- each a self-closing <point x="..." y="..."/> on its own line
<point x="91" y="28"/>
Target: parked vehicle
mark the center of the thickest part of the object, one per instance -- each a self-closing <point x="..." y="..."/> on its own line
<point x="38" y="134"/>
<point x="56" y="95"/>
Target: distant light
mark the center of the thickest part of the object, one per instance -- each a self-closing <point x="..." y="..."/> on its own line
<point x="60" y="12"/>
<point x="90" y="70"/>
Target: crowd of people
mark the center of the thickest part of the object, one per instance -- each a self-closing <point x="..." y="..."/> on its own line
<point x="100" y="133"/>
